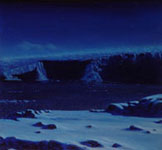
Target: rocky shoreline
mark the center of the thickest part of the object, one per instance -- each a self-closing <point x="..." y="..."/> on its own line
<point x="150" y="106"/>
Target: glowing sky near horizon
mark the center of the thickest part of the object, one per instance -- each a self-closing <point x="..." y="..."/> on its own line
<point x="39" y="29"/>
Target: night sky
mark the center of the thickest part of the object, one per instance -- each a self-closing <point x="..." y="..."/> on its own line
<point x="41" y="28"/>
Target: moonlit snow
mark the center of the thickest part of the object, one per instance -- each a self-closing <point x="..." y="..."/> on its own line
<point x="74" y="127"/>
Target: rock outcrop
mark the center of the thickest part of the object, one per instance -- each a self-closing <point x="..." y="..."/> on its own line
<point x="48" y="126"/>
<point x="150" y="106"/>
<point x="14" y="143"/>
<point x="91" y="143"/>
<point x="23" y="114"/>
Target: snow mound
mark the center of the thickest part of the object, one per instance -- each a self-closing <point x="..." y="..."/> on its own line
<point x="150" y="106"/>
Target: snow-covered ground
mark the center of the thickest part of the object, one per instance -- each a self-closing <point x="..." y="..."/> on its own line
<point x="74" y="127"/>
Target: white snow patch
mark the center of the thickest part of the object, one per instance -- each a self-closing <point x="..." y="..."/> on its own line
<point x="71" y="129"/>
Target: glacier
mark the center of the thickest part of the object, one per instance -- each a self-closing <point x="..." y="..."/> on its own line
<point x="92" y="72"/>
<point x="10" y="73"/>
<point x="42" y="76"/>
<point x="141" y="68"/>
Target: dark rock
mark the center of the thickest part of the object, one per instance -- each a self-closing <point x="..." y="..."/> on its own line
<point x="89" y="126"/>
<point x="91" y="143"/>
<point x="25" y="114"/>
<point x="115" y="109"/>
<point x="73" y="147"/>
<point x="53" y="145"/>
<point x="28" y="76"/>
<point x="12" y="142"/>
<point x="150" y="106"/>
<point x="159" y="122"/>
<point x="2" y="142"/>
<point x="2" y="77"/>
<point x="43" y="145"/>
<point x="28" y="114"/>
<point x="148" y="132"/>
<point x="116" y="145"/>
<point x="134" y="128"/>
<point x="142" y="68"/>
<point x="38" y="124"/>
<point x="14" y="116"/>
<point x="30" y="145"/>
<point x="66" y="70"/>
<point x="37" y="132"/>
<point x="49" y="126"/>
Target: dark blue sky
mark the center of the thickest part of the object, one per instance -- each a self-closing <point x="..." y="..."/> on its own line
<point x="27" y="28"/>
